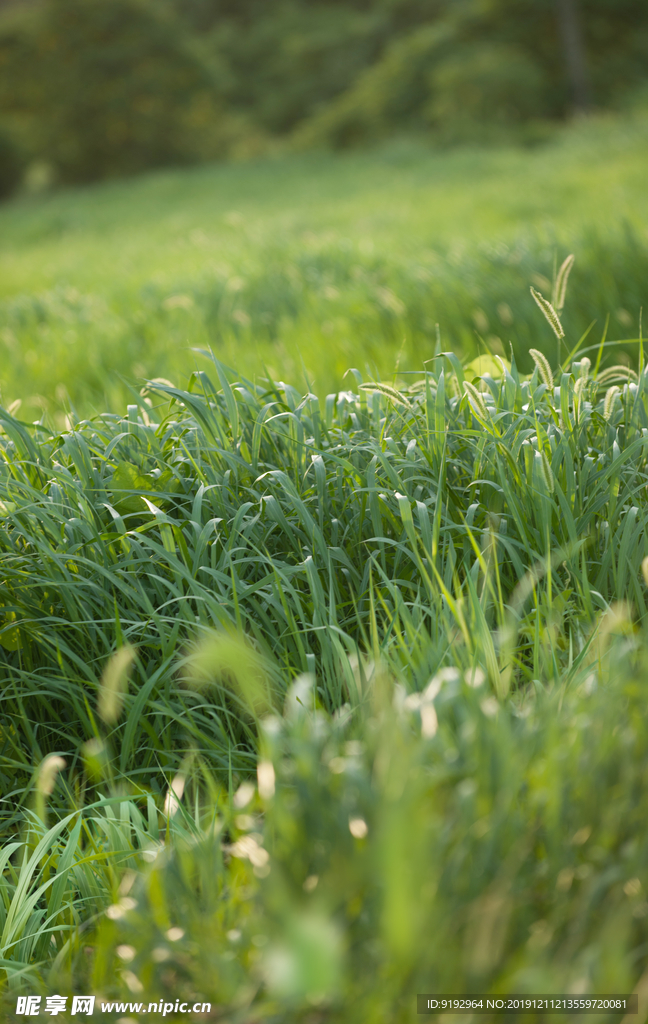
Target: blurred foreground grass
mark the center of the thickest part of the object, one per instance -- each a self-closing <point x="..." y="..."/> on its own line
<point x="307" y="265"/>
<point x="438" y="842"/>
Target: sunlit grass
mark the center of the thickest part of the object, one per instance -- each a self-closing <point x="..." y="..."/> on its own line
<point x="312" y="264"/>
<point x="410" y="598"/>
<point x="475" y="517"/>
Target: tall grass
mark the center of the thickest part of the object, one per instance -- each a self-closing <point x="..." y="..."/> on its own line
<point x="413" y="607"/>
<point x="479" y="520"/>
<point x="309" y="311"/>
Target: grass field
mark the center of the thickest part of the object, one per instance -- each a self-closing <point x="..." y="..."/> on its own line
<point x="311" y="264"/>
<point x="442" y="590"/>
<point x="311" y="702"/>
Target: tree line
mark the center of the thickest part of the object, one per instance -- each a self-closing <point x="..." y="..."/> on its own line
<point x="97" y="88"/>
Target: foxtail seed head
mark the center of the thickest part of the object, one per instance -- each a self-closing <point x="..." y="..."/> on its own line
<point x="560" y="288"/>
<point x="114" y="685"/>
<point x="550" y="314"/>
<point x="544" y="369"/>
<point x="608" y="404"/>
<point x="616" y="373"/>
<point x="387" y="390"/>
<point x="476" y="401"/>
<point x="49" y="769"/>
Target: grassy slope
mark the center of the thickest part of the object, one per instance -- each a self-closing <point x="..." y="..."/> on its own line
<point x="326" y="260"/>
<point x="521" y="821"/>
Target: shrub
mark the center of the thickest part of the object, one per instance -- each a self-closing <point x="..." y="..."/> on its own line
<point x="483" y="86"/>
<point x="433" y="78"/>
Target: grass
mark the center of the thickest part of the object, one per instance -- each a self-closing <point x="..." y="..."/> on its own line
<point x="311" y="702"/>
<point x="388" y="523"/>
<point x="439" y="842"/>
<point x="452" y="572"/>
<point x="316" y="263"/>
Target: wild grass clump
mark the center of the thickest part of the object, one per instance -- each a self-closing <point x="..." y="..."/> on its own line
<point x="310" y="704"/>
<point x="474" y="518"/>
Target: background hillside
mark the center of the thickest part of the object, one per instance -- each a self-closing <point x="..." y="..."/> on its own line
<point x="304" y="266"/>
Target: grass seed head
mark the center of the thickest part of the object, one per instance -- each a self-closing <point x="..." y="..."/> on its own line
<point x="541" y="361"/>
<point x="49" y="769"/>
<point x="387" y="390"/>
<point x="616" y="373"/>
<point x="266" y="779"/>
<point x="579" y="387"/>
<point x="114" y="685"/>
<point x="560" y="288"/>
<point x="608" y="404"/>
<point x="477" y="402"/>
<point x="550" y="314"/>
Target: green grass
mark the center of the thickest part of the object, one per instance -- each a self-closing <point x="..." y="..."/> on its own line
<point x="416" y="608"/>
<point x="385" y="523"/>
<point x="483" y="532"/>
<point x="440" y="842"/>
<point x="317" y="262"/>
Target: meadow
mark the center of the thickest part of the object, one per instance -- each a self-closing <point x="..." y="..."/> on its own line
<point x="325" y="689"/>
<point x="309" y="264"/>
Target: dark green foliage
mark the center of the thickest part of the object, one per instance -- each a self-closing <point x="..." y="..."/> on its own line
<point x="112" y="88"/>
<point x="105" y="87"/>
<point x="485" y="84"/>
<point x="472" y="70"/>
<point x="11" y="166"/>
<point x="287" y="61"/>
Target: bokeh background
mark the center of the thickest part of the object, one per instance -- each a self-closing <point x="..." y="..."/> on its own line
<point x="96" y="88"/>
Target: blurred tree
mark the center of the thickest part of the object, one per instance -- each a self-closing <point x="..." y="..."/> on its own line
<point x="116" y="86"/>
<point x="574" y="47"/>
<point x="285" y="60"/>
<point x="489" y="66"/>
<point x="104" y="87"/>
<point x="11" y="165"/>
